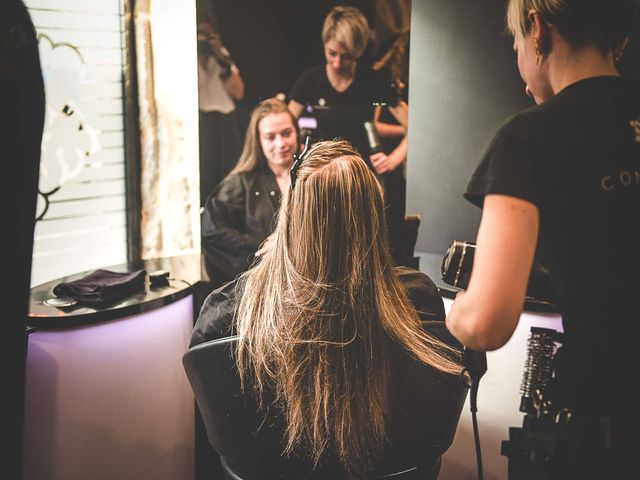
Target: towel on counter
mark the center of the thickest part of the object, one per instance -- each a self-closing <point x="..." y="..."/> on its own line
<point x="102" y="287"/>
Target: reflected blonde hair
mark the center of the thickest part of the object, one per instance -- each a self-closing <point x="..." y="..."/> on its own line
<point x="319" y="315"/>
<point x="349" y="27"/>
<point x="252" y="155"/>
<point x="396" y="59"/>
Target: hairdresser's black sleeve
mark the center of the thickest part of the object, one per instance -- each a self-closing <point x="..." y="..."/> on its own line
<point x="509" y="165"/>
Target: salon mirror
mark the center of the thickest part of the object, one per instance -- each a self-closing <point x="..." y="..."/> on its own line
<point x="273" y="41"/>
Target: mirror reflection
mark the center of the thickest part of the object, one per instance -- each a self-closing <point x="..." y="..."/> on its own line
<point x="338" y="69"/>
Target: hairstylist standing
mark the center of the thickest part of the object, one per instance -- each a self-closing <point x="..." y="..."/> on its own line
<point x="563" y="178"/>
<point x="342" y="82"/>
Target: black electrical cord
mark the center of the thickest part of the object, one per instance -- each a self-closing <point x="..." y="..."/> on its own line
<point x="474" y="419"/>
<point x="475" y="364"/>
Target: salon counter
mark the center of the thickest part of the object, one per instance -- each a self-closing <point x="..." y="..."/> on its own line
<point x="185" y="272"/>
<point x="106" y="394"/>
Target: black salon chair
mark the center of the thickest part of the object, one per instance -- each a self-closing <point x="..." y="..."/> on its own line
<point x="429" y="407"/>
<point x="410" y="236"/>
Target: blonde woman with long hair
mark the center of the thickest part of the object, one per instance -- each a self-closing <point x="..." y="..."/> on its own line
<point x="327" y="325"/>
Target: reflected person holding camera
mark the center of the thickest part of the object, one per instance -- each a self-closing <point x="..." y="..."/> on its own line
<point x="220" y="86"/>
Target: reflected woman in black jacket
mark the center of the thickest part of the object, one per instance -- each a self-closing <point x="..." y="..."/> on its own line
<point x="239" y="215"/>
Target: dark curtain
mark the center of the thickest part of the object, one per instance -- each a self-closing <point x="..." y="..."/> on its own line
<point x="22" y="101"/>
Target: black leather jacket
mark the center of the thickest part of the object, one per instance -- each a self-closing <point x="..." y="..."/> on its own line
<point x="238" y="215"/>
<point x="216" y="315"/>
<point x="422" y="417"/>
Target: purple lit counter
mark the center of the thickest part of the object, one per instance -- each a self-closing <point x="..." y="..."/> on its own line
<point x="106" y="395"/>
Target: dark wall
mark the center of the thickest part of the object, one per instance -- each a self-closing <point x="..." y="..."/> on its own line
<point x="273" y="41"/>
<point x="464" y="85"/>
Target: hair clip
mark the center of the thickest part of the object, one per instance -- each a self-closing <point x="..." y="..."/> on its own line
<point x="298" y="159"/>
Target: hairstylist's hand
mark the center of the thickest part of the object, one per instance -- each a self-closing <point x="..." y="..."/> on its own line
<point x="267" y="245"/>
<point x="383" y="163"/>
<point x="378" y="161"/>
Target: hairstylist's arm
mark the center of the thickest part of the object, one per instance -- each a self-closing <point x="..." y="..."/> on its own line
<point x="485" y="316"/>
<point x="386" y="129"/>
<point x="401" y="113"/>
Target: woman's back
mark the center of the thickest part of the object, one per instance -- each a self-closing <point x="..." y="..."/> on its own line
<point x="322" y="317"/>
<point x="421" y="422"/>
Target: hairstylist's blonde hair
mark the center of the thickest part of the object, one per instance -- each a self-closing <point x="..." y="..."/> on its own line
<point x="252" y="154"/>
<point x="318" y="316"/>
<point x="349" y="27"/>
<point x="603" y="23"/>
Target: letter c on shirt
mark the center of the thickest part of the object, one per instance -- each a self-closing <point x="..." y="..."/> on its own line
<point x="607" y="183"/>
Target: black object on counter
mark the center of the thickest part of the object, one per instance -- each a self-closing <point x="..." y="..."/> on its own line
<point x="457" y="263"/>
<point x="159" y="278"/>
<point x="102" y="287"/>
<point x="186" y="270"/>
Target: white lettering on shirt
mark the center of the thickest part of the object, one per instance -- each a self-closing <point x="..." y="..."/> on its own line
<point x="623" y="179"/>
<point x="635" y="124"/>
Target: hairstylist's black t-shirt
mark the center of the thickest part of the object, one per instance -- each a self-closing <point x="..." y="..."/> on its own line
<point x="341" y="114"/>
<point x="577" y="158"/>
<point x="313" y="88"/>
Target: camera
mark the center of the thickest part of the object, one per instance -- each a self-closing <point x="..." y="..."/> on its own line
<point x="220" y="54"/>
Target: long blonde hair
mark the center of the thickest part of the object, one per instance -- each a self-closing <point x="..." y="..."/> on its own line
<point x="252" y="155"/>
<point x="317" y="317"/>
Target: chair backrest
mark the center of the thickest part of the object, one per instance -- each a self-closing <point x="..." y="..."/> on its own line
<point x="404" y="242"/>
<point x="426" y="409"/>
<point x="412" y="225"/>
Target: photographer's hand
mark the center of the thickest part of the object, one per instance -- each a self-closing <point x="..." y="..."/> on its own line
<point x="210" y="43"/>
